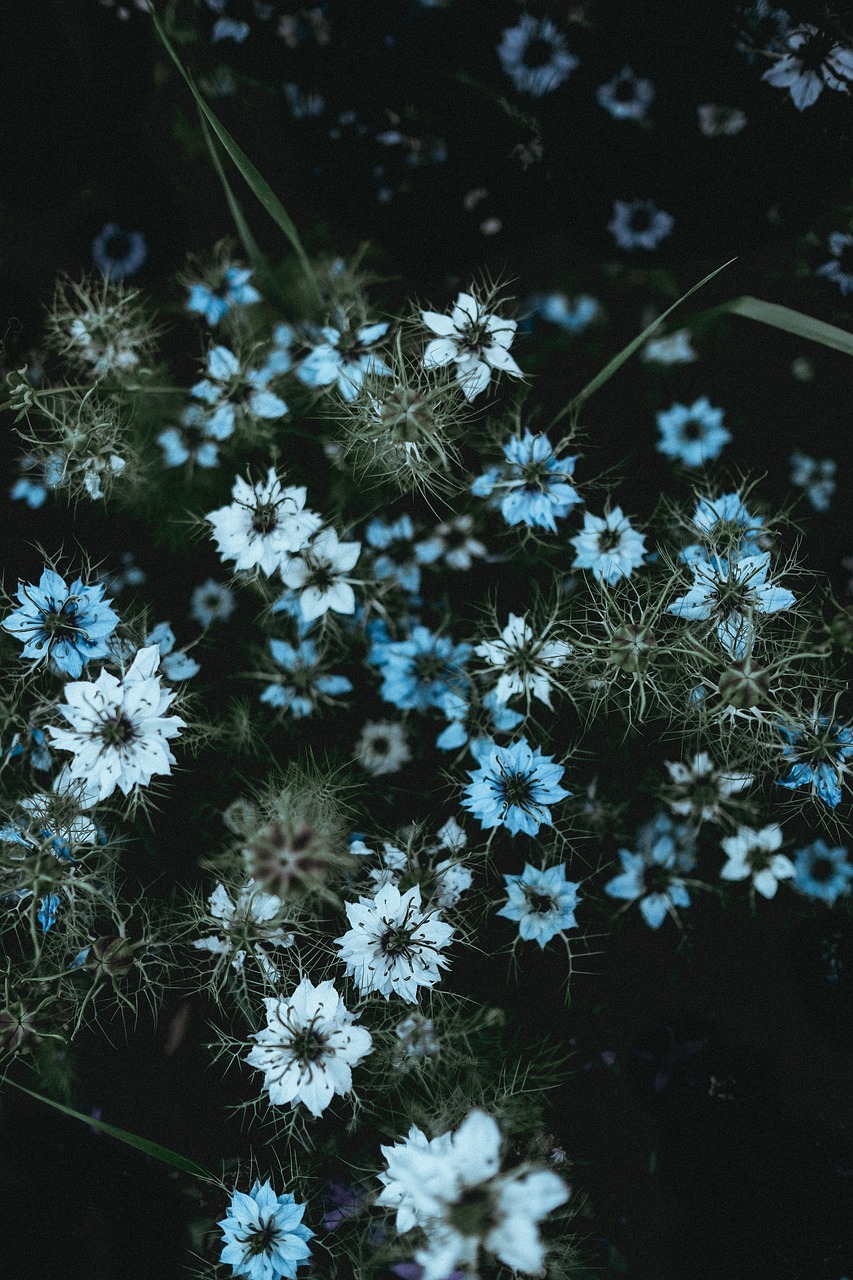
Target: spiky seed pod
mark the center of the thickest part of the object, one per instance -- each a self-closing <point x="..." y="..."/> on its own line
<point x="17" y="1029"/>
<point x="111" y="957"/>
<point x="632" y="647"/>
<point x="287" y="859"/>
<point x="744" y="684"/>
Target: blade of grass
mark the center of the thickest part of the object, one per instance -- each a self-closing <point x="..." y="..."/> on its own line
<point x="255" y="180"/>
<point x="612" y="366"/>
<point x="153" y="1149"/>
<point x="802" y="326"/>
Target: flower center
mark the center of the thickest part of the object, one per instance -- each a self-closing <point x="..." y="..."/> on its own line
<point x="609" y="539"/>
<point x="307" y="1045"/>
<point x="265" y="518"/>
<point x="259" y="1241"/>
<point x="541" y="903"/>
<point x="538" y="52"/>
<point x="474" y="1212"/>
<point x="517" y="790"/>
<point x="117" y="731"/>
<point x="396" y="941"/>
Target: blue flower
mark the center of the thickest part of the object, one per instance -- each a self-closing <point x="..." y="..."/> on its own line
<point x="543" y="903"/>
<point x="532" y="484"/>
<point x="118" y="253"/>
<point x="40" y="757"/>
<point x="48" y="911"/>
<point x="574" y="316"/>
<point x="724" y="520"/>
<point x="214" y="302"/>
<point x="627" y="96"/>
<point x="840" y="267"/>
<point x="398" y="560"/>
<point x="344" y="358"/>
<point x="822" y="872"/>
<point x="420" y="672"/>
<point x="652" y="874"/>
<point x="265" y="1238"/>
<point x="300" y="693"/>
<point x="513" y="787"/>
<point x="639" y="224"/>
<point x="229" y="29"/>
<point x="821" y="753"/>
<point x="228" y="389"/>
<point x="190" y="441"/>
<point x="458" y="710"/>
<point x="693" y="433"/>
<point x="67" y="625"/>
<point x="533" y="54"/>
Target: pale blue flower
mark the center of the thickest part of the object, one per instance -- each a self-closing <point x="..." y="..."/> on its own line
<point x="692" y="433"/>
<point x="397" y="559"/>
<point x="265" y="1238"/>
<point x="513" y="788"/>
<point x="118" y="253"/>
<point x="422" y="671"/>
<point x="304" y="683"/>
<point x="345" y="358"/>
<point x="48" y="911"/>
<point x="626" y="96"/>
<point x="68" y="625"/>
<point x="814" y="60"/>
<point x="574" y="316"/>
<point x="229" y="389"/>
<point x="652" y="875"/>
<point x="464" y="723"/>
<point x="816" y="476"/>
<point x="822" y="872"/>
<point x="724" y="520"/>
<point x="639" y="224"/>
<point x="840" y="267"/>
<point x="821" y="752"/>
<point x="190" y="441"/>
<point x="533" y="54"/>
<point x="543" y="903"/>
<point x="229" y="29"/>
<point x="531" y="487"/>
<point x="215" y="301"/>
<point x="730" y="593"/>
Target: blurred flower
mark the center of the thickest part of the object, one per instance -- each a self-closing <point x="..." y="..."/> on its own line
<point x="118" y="253"/>
<point x="817" y="477"/>
<point x="533" y="54"/>
<point x="639" y="224"/>
<point x="627" y="96"/>
<point x="692" y="433"/>
<point x="822" y="872"/>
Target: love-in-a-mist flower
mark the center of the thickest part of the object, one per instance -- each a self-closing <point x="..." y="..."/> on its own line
<point x="700" y="791"/>
<point x="819" y="751"/>
<point x="692" y="433"/>
<point x="382" y="747"/>
<point x="248" y="922"/>
<point x="533" y="54"/>
<point x="265" y="1237"/>
<point x="304" y="681"/>
<point x="816" y="476"/>
<point x="476" y="342"/>
<point x="422" y="671"/>
<point x="839" y="269"/>
<point x="215" y="300"/>
<point x="626" y="96"/>
<point x="532" y="486"/>
<point x="66" y="625"/>
<point x="230" y="392"/>
<point x="730" y="594"/>
<point x="395" y="945"/>
<point x="724" y="524"/>
<point x="814" y="60"/>
<point x="526" y="659"/>
<point x="652" y="876"/>
<point x="639" y="224"/>
<point x="608" y="546"/>
<point x="542" y="901"/>
<point x="319" y="575"/>
<point x="514" y="787"/>
<point x="265" y="525"/>
<point x="453" y="1188"/>
<point x="118" y="730"/>
<point x="344" y="359"/>
<point x="822" y="872"/>
<point x="309" y="1047"/>
<point x="754" y="855"/>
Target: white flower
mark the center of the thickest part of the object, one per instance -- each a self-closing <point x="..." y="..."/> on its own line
<point x="729" y="592"/>
<point x="675" y="348"/>
<point x="211" y="602"/>
<point x="264" y="525"/>
<point x="382" y="747"/>
<point x="816" y="59"/>
<point x="175" y="665"/>
<point x="452" y="1188"/>
<point x="318" y="574"/>
<point x="100" y="468"/>
<point x="528" y="661"/>
<point x="309" y="1047"/>
<point x="118" y="730"/>
<point x="753" y="854"/>
<point x="701" y="790"/>
<point x="232" y="393"/>
<point x="451" y="836"/>
<point x="716" y="121"/>
<point x="475" y="342"/>
<point x="394" y="945"/>
<point x="609" y="546"/>
<point x="453" y="879"/>
<point x="244" y="924"/>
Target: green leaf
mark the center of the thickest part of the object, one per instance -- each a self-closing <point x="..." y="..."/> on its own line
<point x="132" y="1139"/>
<point x="253" y="177"/>
<point x="625" y="354"/>
<point x="802" y="326"/>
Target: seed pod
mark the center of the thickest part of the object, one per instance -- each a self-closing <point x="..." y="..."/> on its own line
<point x="632" y="647"/>
<point x="287" y="859"/>
<point x="110" y="957"/>
<point x="744" y="685"/>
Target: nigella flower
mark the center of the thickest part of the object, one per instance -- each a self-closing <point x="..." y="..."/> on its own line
<point x="396" y="558"/>
<point x="395" y="945"/>
<point x="118" y="253"/>
<point x="382" y="747"/>
<point x="118" y="731"/>
<point x="652" y="875"/>
<point x="675" y="348"/>
<point x="211" y="602"/>
<point x="229" y="391"/>
<point x="265" y="1237"/>
<point x="716" y="121"/>
<point x="725" y="521"/>
<point x="345" y="359"/>
<point x="513" y="788"/>
<point x="246" y="923"/>
<point x="729" y="593"/>
<point x="533" y="54"/>
<point x="215" y="300"/>
<point x="542" y="901"/>
<point x="265" y="524"/>
<point x="817" y="477"/>
<point x="820" y="751"/>
<point x="574" y="316"/>
<point x="627" y="96"/>
<point x="532" y="486"/>
<point x="754" y="855"/>
<point x="422" y="671"/>
<point x="700" y="791"/>
<point x="318" y="574"/>
<point x="840" y="267"/>
<point x="692" y="433"/>
<point x="822" y="872"/>
<point x="762" y="29"/>
<point x="527" y="661"/>
<point x="639" y="224"/>
<point x="452" y="542"/>
<point x="229" y="29"/>
<point x="66" y="625"/>
<point x="303" y="684"/>
<point x="191" y="442"/>
<point x="309" y="1046"/>
<point x="815" y="60"/>
<point x="475" y="724"/>
<point x="609" y="546"/>
<point x="474" y="341"/>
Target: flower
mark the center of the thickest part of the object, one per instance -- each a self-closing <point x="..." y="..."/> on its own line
<point x="451" y="541"/>
<point x="304" y="684"/>
<point x="822" y="872"/>
<point x="213" y="301"/>
<point x="652" y="874"/>
<point x="675" y="348"/>
<point x="211" y="602"/>
<point x="345" y="359"/>
<point x="513" y="787"/>
<point x="382" y="747"/>
<point x="317" y="573"/>
<point x="531" y="487"/>
<point x="821" y="750"/>
<point x="422" y="671"/>
<point x="264" y="525"/>
<point x="730" y="593"/>
<point x="475" y="724"/>
<point x="397" y="559"/>
<point x="245" y="923"/>
<point x="692" y="433"/>
<point x="725" y="521"/>
<point x="476" y="342"/>
<point x="716" y="121"/>
<point x="118" y="253"/>
<point x="418" y="1039"/>
<point x="265" y="1237"/>
<point x="190" y="441"/>
<point x="394" y="945"/>
<point x="66" y="625"/>
<point x="533" y="54"/>
<point x="573" y="317"/>
<point x="816" y="477"/>
<point x="543" y="902"/>
<point x="230" y="391"/>
<point x="627" y="96"/>
<point x="639" y="224"/>
<point x="816" y="60"/>
<point x="840" y="267"/>
<point x="309" y="1046"/>
<point x="753" y="855"/>
<point x="453" y="1189"/>
<point x="609" y="546"/>
<point x="118" y="730"/>
<point x="701" y="790"/>
<point x="527" y="661"/>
